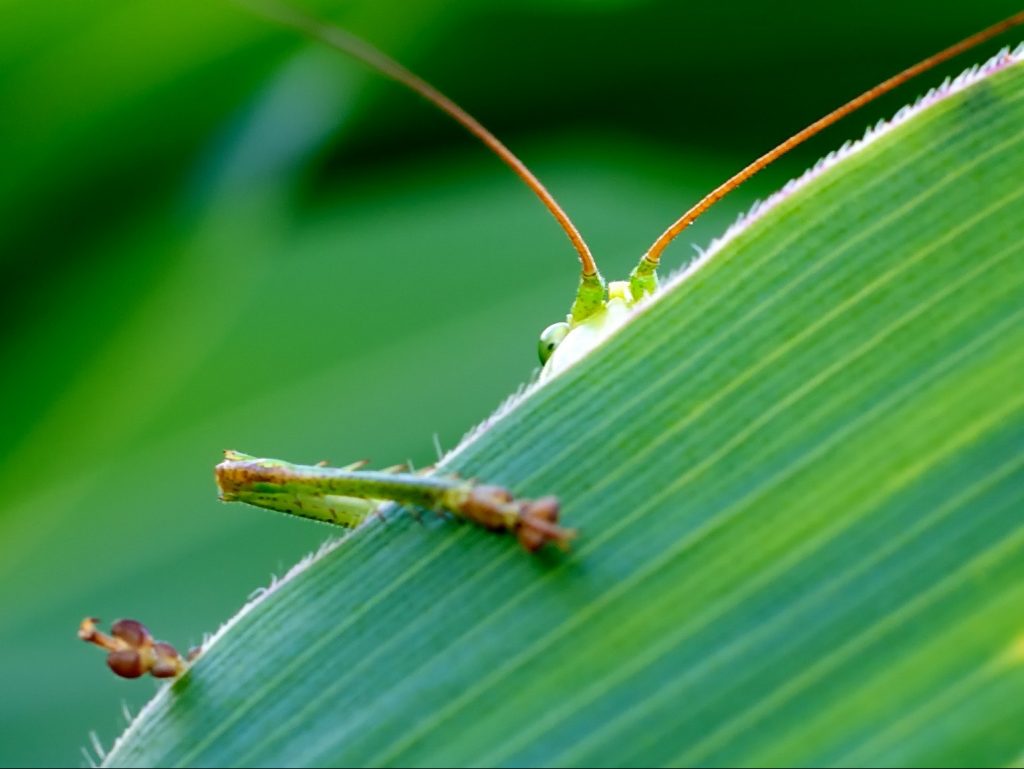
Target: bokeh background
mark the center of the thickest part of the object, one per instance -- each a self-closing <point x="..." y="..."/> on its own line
<point x="215" y="234"/>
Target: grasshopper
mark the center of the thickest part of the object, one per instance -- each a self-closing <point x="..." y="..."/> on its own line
<point x="346" y="496"/>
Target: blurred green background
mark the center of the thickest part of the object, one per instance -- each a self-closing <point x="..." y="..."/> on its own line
<point x="214" y="234"/>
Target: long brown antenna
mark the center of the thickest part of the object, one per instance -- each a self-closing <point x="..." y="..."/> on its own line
<point x="653" y="254"/>
<point x="358" y="48"/>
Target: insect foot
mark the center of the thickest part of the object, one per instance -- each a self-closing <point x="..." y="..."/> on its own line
<point x="131" y="650"/>
<point x="538" y="525"/>
<point x="534" y="522"/>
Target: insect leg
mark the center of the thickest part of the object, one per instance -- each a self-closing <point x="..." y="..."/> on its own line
<point x="347" y="497"/>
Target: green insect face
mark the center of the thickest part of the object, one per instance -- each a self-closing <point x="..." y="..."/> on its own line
<point x="550" y="338"/>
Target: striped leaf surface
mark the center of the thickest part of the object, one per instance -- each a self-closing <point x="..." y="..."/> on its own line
<point x="799" y="482"/>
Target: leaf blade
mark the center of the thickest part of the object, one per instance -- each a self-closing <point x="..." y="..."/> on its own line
<point x="851" y="360"/>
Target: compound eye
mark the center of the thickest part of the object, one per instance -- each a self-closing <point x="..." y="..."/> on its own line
<point x="550" y="338"/>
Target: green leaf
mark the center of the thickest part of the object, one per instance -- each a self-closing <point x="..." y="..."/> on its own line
<point x="798" y="478"/>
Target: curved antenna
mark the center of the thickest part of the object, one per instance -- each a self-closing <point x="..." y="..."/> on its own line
<point x="653" y="255"/>
<point x="358" y="48"/>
